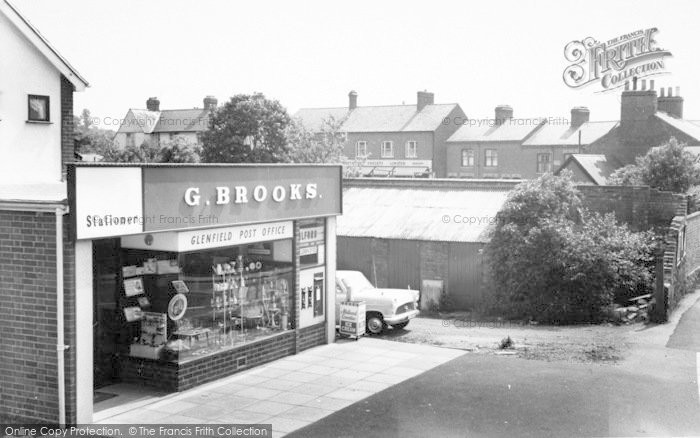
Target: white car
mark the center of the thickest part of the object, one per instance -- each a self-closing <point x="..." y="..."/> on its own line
<point x="394" y="307"/>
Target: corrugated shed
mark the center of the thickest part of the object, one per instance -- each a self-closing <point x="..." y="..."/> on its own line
<point x="419" y="213"/>
<point x="554" y="135"/>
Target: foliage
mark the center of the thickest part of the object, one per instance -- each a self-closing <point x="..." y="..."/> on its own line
<point x="551" y="261"/>
<point x="89" y="138"/>
<point x="506" y="343"/>
<point x="180" y="150"/>
<point x="324" y="146"/>
<point x="446" y="302"/>
<point x="668" y="167"/>
<point x="247" y="129"/>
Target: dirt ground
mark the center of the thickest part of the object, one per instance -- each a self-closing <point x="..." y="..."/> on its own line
<point x="606" y="343"/>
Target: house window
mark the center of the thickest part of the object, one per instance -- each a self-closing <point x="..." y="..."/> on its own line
<point x="411" y="149"/>
<point x="467" y="157"/>
<point x="490" y="158"/>
<point x="38" y="109"/>
<point x="361" y="149"/>
<point x="544" y="163"/>
<point x="130" y="140"/>
<point x="387" y="149"/>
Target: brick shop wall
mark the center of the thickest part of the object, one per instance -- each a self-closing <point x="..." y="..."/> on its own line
<point x="67" y="128"/>
<point x="28" y="371"/>
<point x="311" y="336"/>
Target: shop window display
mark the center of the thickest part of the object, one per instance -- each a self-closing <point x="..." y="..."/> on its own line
<point x="181" y="306"/>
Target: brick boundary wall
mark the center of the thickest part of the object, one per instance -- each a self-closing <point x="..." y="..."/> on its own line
<point x="681" y="277"/>
<point x="28" y="370"/>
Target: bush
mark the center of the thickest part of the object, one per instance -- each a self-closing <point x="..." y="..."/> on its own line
<point x="562" y="264"/>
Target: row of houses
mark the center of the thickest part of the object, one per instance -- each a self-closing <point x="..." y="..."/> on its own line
<point x="431" y="139"/>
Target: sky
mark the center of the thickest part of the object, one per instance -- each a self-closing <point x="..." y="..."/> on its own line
<point x="312" y="53"/>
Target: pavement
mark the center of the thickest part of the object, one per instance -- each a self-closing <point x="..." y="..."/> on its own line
<point x="289" y="393"/>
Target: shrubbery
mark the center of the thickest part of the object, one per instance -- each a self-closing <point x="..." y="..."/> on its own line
<point x="552" y="261"/>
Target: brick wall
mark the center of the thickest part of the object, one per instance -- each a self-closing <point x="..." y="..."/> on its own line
<point x="28" y="371"/>
<point x="67" y="134"/>
<point x="640" y="207"/>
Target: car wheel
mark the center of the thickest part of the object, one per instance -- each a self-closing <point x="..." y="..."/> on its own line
<point x="400" y="325"/>
<point x="375" y="323"/>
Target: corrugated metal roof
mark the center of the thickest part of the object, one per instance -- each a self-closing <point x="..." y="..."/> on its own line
<point x="507" y="131"/>
<point x="419" y="213"/>
<point x="390" y="118"/>
<point x="553" y="135"/>
<point x="685" y="126"/>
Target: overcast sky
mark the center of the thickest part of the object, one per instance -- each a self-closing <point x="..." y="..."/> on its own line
<point x="310" y="54"/>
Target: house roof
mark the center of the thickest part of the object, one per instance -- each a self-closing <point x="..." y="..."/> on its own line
<point x="486" y="130"/>
<point x="596" y="166"/>
<point x="389" y="118"/>
<point x="43" y="45"/>
<point x="186" y="120"/>
<point x="417" y="213"/>
<point x="564" y="135"/>
<point x="686" y="126"/>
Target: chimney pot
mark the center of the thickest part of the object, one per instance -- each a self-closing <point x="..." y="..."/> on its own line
<point x="352" y="98"/>
<point x="153" y="104"/>
<point x="662" y="90"/>
<point x="644" y="84"/>
<point x="634" y="83"/>
<point x="651" y="84"/>
<point x="678" y="91"/>
<point x="670" y="92"/>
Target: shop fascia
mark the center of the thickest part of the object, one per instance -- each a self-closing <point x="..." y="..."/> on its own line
<point x="260" y="193"/>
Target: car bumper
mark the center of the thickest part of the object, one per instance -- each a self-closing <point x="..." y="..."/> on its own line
<point x="403" y="317"/>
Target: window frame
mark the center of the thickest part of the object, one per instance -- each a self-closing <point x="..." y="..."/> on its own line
<point x="130" y="139"/>
<point x="357" y="148"/>
<point x="385" y="142"/>
<point x="472" y="157"/>
<point x="415" y="149"/>
<point x="490" y="157"/>
<point x="548" y="162"/>
<point x="47" y="102"/>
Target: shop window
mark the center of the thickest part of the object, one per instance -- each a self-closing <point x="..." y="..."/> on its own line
<point x="467" y="157"/>
<point x="181" y="306"/>
<point x="544" y="162"/>
<point x="387" y="149"/>
<point x="490" y="158"/>
<point x="38" y="109"/>
<point x="411" y="149"/>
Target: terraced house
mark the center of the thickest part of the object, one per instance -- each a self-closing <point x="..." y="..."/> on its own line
<point x="393" y="140"/>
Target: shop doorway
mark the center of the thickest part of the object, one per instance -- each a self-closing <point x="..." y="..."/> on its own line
<point x="106" y="323"/>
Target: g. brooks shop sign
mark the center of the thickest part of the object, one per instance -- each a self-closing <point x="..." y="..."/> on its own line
<point x="115" y="200"/>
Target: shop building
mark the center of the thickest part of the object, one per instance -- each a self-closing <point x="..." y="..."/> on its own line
<point x="166" y="276"/>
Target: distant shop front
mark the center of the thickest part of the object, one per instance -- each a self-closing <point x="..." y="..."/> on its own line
<point x="186" y="274"/>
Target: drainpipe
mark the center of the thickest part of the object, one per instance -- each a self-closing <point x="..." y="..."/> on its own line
<point x="60" y="346"/>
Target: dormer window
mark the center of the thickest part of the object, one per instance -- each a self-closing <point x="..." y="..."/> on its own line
<point x="38" y="109"/>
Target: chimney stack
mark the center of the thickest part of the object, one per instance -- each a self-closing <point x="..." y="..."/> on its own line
<point x="210" y="103"/>
<point x="637" y="105"/>
<point x="352" y="97"/>
<point x="153" y="104"/>
<point x="424" y="98"/>
<point x="503" y="113"/>
<point x="670" y="104"/>
<point x="579" y="116"/>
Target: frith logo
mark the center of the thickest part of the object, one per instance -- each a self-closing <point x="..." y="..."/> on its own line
<point x="614" y="61"/>
<point x="241" y="194"/>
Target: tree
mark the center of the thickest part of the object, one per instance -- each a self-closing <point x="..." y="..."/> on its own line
<point x="179" y="150"/>
<point x="247" y="129"/>
<point x="552" y="261"/>
<point x="147" y="152"/>
<point x="324" y="146"/>
<point x="668" y="167"/>
<point x="89" y="138"/>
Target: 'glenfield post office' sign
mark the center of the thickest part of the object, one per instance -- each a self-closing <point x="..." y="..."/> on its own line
<point x="613" y="62"/>
<point x="110" y="201"/>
